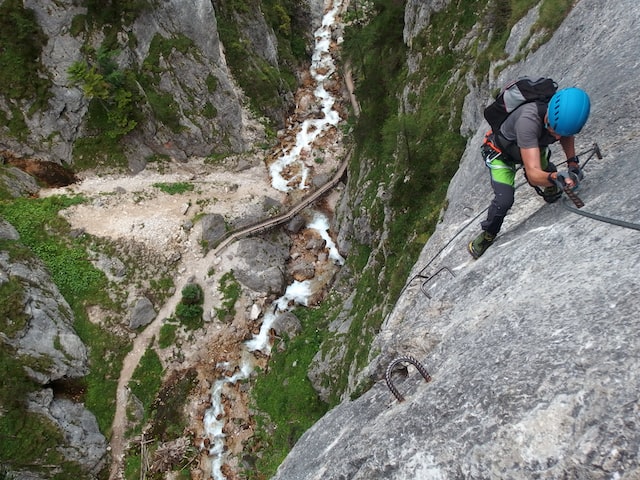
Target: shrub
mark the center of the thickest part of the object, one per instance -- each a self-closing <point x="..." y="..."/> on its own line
<point x="189" y="311"/>
<point x="21" y="42"/>
<point x="167" y="335"/>
<point x="192" y="294"/>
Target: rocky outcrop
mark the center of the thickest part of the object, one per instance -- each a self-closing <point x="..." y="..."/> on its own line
<point x="214" y="229"/>
<point x="48" y="332"/>
<point x="18" y="183"/>
<point x="182" y="77"/>
<point x="209" y="107"/>
<point x="83" y="442"/>
<point x="287" y="323"/>
<point x="417" y="16"/>
<point x="53" y="131"/>
<point x="42" y="335"/>
<point x="531" y="348"/>
<point x="142" y="313"/>
<point x="7" y="232"/>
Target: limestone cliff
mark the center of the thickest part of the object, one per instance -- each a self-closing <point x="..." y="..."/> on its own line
<point x="165" y="81"/>
<point x="532" y="349"/>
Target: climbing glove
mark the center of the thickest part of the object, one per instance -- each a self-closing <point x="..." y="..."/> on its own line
<point x="561" y="179"/>
<point x="574" y="168"/>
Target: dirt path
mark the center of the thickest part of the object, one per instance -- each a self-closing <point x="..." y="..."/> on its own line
<point x="140" y="345"/>
<point x="130" y="207"/>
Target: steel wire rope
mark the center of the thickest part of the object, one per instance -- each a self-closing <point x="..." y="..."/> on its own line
<point x="601" y="218"/>
<point x="594" y="150"/>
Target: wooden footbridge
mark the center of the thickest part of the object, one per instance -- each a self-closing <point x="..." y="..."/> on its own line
<point x="262" y="226"/>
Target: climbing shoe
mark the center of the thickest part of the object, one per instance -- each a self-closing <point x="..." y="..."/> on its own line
<point x="480" y="244"/>
<point x="551" y="194"/>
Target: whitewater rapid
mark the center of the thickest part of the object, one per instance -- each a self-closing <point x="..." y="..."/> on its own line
<point x="321" y="69"/>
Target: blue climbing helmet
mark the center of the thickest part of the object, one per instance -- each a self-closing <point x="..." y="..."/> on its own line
<point x="568" y="111"/>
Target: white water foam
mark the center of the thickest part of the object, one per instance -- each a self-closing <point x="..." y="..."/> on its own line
<point x="322" y="67"/>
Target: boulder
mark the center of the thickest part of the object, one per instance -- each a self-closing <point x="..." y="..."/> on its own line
<point x="296" y="224"/>
<point x="302" y="270"/>
<point x="142" y="313"/>
<point x="287" y="323"/>
<point x="84" y="444"/>
<point x="7" y="231"/>
<point x="262" y="265"/>
<point x="213" y="229"/>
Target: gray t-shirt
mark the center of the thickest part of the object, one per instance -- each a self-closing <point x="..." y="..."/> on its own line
<point x="525" y="127"/>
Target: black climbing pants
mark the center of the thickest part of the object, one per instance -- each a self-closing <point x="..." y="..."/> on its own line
<point x="503" y="196"/>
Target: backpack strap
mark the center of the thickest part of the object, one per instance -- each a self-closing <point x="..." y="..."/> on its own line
<point x="509" y="148"/>
<point x="542" y="109"/>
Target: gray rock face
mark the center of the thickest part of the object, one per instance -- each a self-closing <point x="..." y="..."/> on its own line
<point x="287" y="323"/>
<point x="18" y="183"/>
<point x="7" y="232"/>
<point x="112" y="267"/>
<point x="262" y="265"/>
<point x="142" y="313"/>
<point x="52" y="132"/>
<point x="58" y="126"/>
<point x="184" y="80"/>
<point x="48" y="332"/>
<point x="417" y="16"/>
<point x="213" y="228"/>
<point x="84" y="444"/>
<point x="49" y="339"/>
<point x="531" y="348"/>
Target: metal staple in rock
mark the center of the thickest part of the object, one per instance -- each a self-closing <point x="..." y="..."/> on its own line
<point x="408" y="359"/>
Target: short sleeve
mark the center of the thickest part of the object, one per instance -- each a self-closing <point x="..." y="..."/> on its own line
<point x="528" y="127"/>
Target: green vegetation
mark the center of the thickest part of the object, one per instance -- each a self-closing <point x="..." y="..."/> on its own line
<point x="414" y="153"/>
<point x="162" y="287"/>
<point x="24" y="435"/>
<point x="167" y="336"/>
<point x="176" y="188"/>
<point x="230" y="290"/>
<point x="263" y="83"/>
<point x="163" y="105"/>
<point x="168" y="413"/>
<point x="167" y="423"/>
<point x="147" y="379"/>
<point x="21" y="43"/>
<point x="113" y="109"/>
<point x="189" y="310"/>
<point x="117" y="13"/>
<point x="119" y="97"/>
<point x="284" y="395"/>
<point x="12" y="316"/>
<point x="45" y="235"/>
<point x="98" y="151"/>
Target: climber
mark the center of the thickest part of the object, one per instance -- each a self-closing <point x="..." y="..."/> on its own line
<point x="524" y="138"/>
